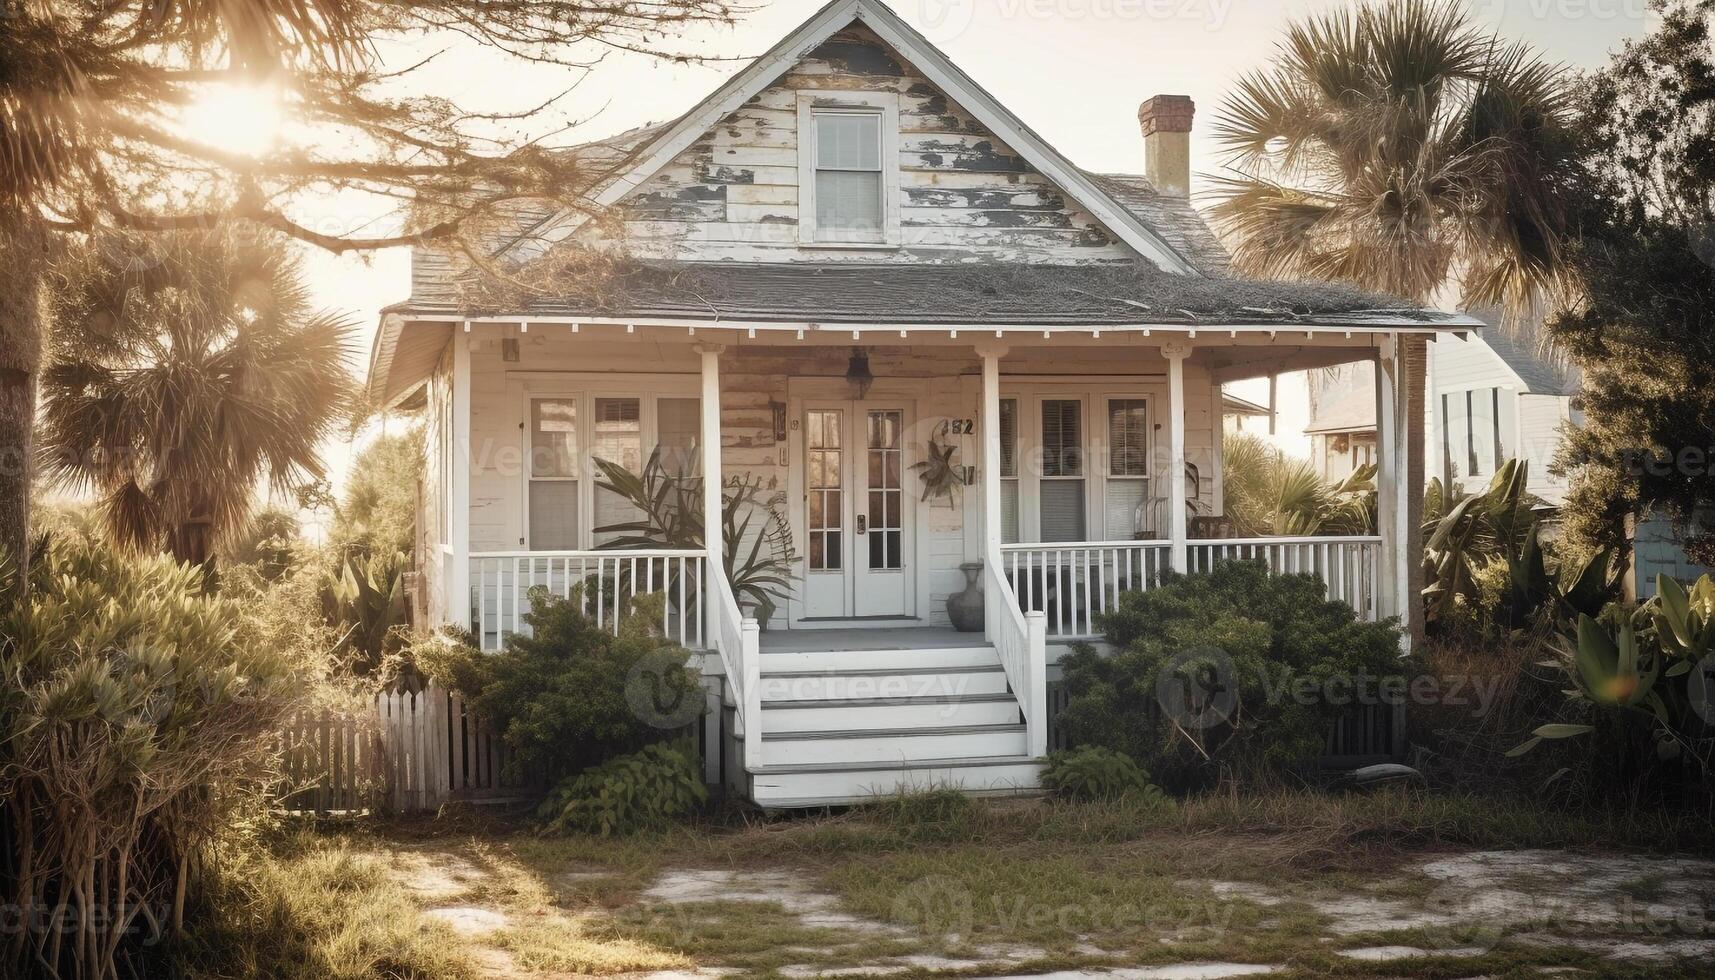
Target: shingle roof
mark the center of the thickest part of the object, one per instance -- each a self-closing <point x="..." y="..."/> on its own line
<point x="1540" y="375"/>
<point x="853" y="292"/>
<point x="1173" y="218"/>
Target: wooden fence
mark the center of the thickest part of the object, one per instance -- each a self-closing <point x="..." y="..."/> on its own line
<point x="412" y="751"/>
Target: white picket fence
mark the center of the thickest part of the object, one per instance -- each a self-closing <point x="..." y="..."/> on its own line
<point x="410" y="751"/>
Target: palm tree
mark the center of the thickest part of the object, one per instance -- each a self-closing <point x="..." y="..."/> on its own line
<point x="184" y="373"/>
<point x="1400" y="149"/>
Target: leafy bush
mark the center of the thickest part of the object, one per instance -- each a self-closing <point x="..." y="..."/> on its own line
<point x="1637" y="683"/>
<point x="1241" y="657"/>
<point x="365" y="600"/>
<point x="646" y="790"/>
<point x="572" y="694"/>
<point x="134" y="715"/>
<point x="1097" y="773"/>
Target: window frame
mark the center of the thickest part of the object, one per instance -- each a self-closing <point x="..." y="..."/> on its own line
<point x="1108" y="476"/>
<point x="585" y="397"/>
<point x="885" y="105"/>
<point x="1082" y="477"/>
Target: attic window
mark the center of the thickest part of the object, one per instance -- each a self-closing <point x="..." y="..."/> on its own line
<point x="848" y="170"/>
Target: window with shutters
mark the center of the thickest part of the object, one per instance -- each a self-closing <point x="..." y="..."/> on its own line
<point x="848" y="162"/>
<point x="1062" y="480"/>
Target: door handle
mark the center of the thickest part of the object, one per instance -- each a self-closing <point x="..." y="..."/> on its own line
<point x="863" y="524"/>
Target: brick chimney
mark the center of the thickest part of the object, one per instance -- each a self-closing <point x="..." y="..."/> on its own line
<point x="1166" y="123"/>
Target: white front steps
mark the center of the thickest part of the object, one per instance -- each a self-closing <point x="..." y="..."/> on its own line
<point x="845" y="727"/>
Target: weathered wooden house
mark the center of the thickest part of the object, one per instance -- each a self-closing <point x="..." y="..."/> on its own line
<point x="851" y="278"/>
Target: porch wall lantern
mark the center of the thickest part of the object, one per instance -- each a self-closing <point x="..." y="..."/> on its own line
<point x="857" y="372"/>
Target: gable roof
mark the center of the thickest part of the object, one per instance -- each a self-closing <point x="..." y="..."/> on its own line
<point x="674" y="138"/>
<point x="1537" y="374"/>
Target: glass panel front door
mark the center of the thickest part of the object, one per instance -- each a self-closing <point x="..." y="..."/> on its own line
<point x="855" y="512"/>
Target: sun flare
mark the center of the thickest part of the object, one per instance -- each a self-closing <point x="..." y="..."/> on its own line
<point x="237" y="118"/>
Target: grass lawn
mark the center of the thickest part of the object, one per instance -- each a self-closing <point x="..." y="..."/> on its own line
<point x="935" y="885"/>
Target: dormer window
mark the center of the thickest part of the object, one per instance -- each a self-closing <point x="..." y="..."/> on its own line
<point x="848" y="170"/>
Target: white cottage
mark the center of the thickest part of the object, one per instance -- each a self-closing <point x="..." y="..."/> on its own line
<point x="848" y="261"/>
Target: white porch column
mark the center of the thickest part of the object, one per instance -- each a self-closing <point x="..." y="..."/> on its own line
<point x="991" y="355"/>
<point x="1176" y="491"/>
<point x="1390" y="509"/>
<point x="458" y="543"/>
<point x="712" y="476"/>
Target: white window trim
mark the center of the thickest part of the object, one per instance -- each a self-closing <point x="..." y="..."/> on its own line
<point x="1102" y="438"/>
<point x="886" y="104"/>
<point x="585" y="395"/>
<point x="1030" y="394"/>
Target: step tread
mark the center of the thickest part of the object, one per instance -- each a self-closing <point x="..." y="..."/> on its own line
<point x="895" y="765"/>
<point x="1006" y="729"/>
<point x="887" y="671"/>
<point x="864" y="651"/>
<point x="894" y="702"/>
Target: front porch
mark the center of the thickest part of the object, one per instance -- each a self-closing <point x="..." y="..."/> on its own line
<point x="1085" y="466"/>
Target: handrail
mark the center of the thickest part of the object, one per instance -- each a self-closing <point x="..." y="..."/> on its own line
<point x="1291" y="539"/>
<point x="738" y="640"/>
<point x="597" y="553"/>
<point x="1021" y="641"/>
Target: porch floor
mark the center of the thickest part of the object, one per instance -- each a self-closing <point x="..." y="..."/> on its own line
<point x="867" y="638"/>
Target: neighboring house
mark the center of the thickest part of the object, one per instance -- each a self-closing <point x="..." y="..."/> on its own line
<point x="1342" y="425"/>
<point x="1492" y="400"/>
<point x="1495" y="399"/>
<point x="849" y="254"/>
<point x="1242" y="415"/>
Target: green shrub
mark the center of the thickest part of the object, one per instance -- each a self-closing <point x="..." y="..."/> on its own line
<point x="135" y="712"/>
<point x="573" y="694"/>
<point x="1242" y="659"/>
<point x="1097" y="773"/>
<point x="646" y="790"/>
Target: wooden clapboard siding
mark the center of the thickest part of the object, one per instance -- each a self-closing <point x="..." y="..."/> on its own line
<point x="966" y="196"/>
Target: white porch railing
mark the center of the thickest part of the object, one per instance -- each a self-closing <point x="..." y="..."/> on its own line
<point x="500" y="584"/>
<point x="1350" y="566"/>
<point x="1071" y="583"/>
<point x="1021" y="640"/>
<point x="738" y="638"/>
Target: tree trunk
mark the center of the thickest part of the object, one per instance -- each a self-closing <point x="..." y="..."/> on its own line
<point x="23" y="242"/>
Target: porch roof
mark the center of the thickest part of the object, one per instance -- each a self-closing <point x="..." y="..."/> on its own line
<point x="936" y="294"/>
<point x="1010" y="298"/>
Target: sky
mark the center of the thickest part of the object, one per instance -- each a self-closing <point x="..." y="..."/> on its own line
<point x="1074" y="70"/>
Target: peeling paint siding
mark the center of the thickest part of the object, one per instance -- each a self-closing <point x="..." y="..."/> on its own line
<point x="966" y="195"/>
